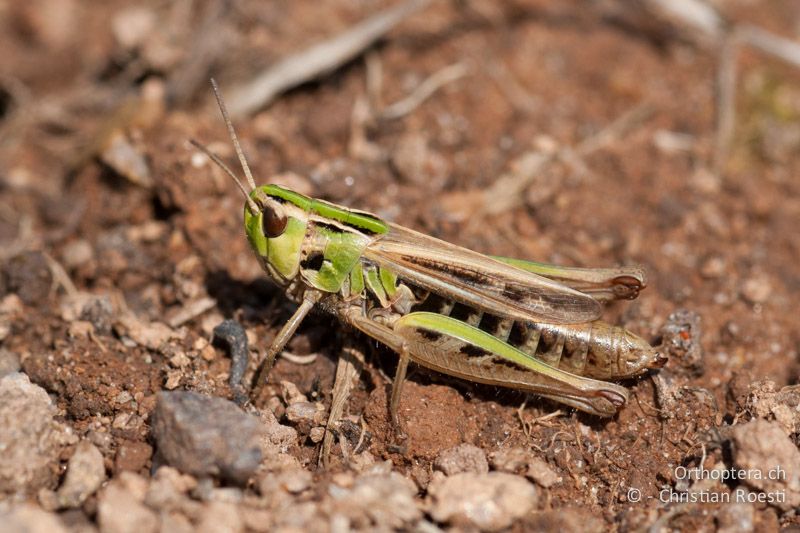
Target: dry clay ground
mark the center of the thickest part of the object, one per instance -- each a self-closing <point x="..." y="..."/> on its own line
<point x="122" y="248"/>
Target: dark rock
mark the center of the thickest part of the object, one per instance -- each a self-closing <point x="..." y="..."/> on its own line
<point x="207" y="436"/>
<point x="28" y="275"/>
<point x="232" y="334"/>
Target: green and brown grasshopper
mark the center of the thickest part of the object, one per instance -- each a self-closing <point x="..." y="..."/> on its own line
<point x="494" y="320"/>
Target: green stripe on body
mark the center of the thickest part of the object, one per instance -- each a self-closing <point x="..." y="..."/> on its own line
<point x="354" y="219"/>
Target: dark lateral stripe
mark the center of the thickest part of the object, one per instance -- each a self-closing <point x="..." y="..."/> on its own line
<point x="470" y="276"/>
<point x="470" y="350"/>
<point x="430" y="335"/>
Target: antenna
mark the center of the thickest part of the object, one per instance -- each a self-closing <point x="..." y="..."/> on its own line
<point x="215" y="158"/>
<point x="232" y="133"/>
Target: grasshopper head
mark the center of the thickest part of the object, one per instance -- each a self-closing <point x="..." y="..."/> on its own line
<point x="275" y="228"/>
<point x="274" y="234"/>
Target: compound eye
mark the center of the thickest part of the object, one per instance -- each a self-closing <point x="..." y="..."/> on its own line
<point x="273" y="220"/>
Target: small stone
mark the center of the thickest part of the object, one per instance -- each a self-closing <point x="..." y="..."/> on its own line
<point x="757" y="289"/>
<point x="132" y="26"/>
<point x="132" y="456"/>
<point x="180" y="360"/>
<point x="293" y="481"/>
<point x="316" y="434"/>
<point x="681" y="338"/>
<point x="523" y="462"/>
<point x="104" y="441"/>
<point x="134" y="483"/>
<point x="462" y="458"/>
<point x="9" y="362"/>
<point x="511" y="460"/>
<point x="99" y="311"/>
<point x="127" y="159"/>
<point x="86" y="471"/>
<point x="305" y="413"/>
<point x="80" y="329"/>
<point x="203" y="435"/>
<point x="763" y="400"/>
<point x="278" y="438"/>
<point x="28" y="275"/>
<point x="123" y="397"/>
<point x="119" y="511"/>
<point x="291" y="394"/>
<point x="28" y="518"/>
<point x="173" y="379"/>
<point x="220" y="517"/>
<point x="540" y="472"/>
<point x="736" y="517"/>
<point x="31" y="439"/>
<point x="148" y="334"/>
<point x="11" y="305"/>
<point x="489" y="502"/>
<point x="771" y="459"/>
<point x="378" y="501"/>
<point x="76" y="253"/>
<point x="713" y="268"/>
<point x="169" y="488"/>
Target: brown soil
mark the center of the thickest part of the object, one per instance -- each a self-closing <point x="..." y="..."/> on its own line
<point x="720" y="243"/>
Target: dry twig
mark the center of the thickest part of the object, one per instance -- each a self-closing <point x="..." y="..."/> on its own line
<point x="508" y="191"/>
<point x="706" y="24"/>
<point x="348" y="368"/>
<point x="424" y="91"/>
<point x="318" y="60"/>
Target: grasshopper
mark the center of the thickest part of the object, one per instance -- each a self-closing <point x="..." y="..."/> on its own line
<point x="494" y="320"/>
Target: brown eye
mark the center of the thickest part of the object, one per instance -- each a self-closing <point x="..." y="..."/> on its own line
<point x="273" y="221"/>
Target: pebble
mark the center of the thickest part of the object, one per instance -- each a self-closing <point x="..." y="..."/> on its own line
<point x="119" y="510"/>
<point x="148" y="334"/>
<point x="132" y="26"/>
<point x="277" y="437"/>
<point x="76" y="253"/>
<point x="132" y="456"/>
<point x="462" y="458"/>
<point x="540" y="472"/>
<point x="301" y="413"/>
<point x="293" y="481"/>
<point x="489" y="502"/>
<point x="757" y="290"/>
<point x="31" y="440"/>
<point x="764" y="400"/>
<point x="762" y="446"/>
<point x="29" y="518"/>
<point x="377" y="500"/>
<point x="127" y="159"/>
<point x="207" y="436"/>
<point x="521" y="461"/>
<point x="85" y="473"/>
<point x="681" y="338"/>
<point x="291" y="394"/>
<point x="28" y="275"/>
<point x="220" y="517"/>
<point x="9" y="362"/>
<point x="736" y="517"/>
